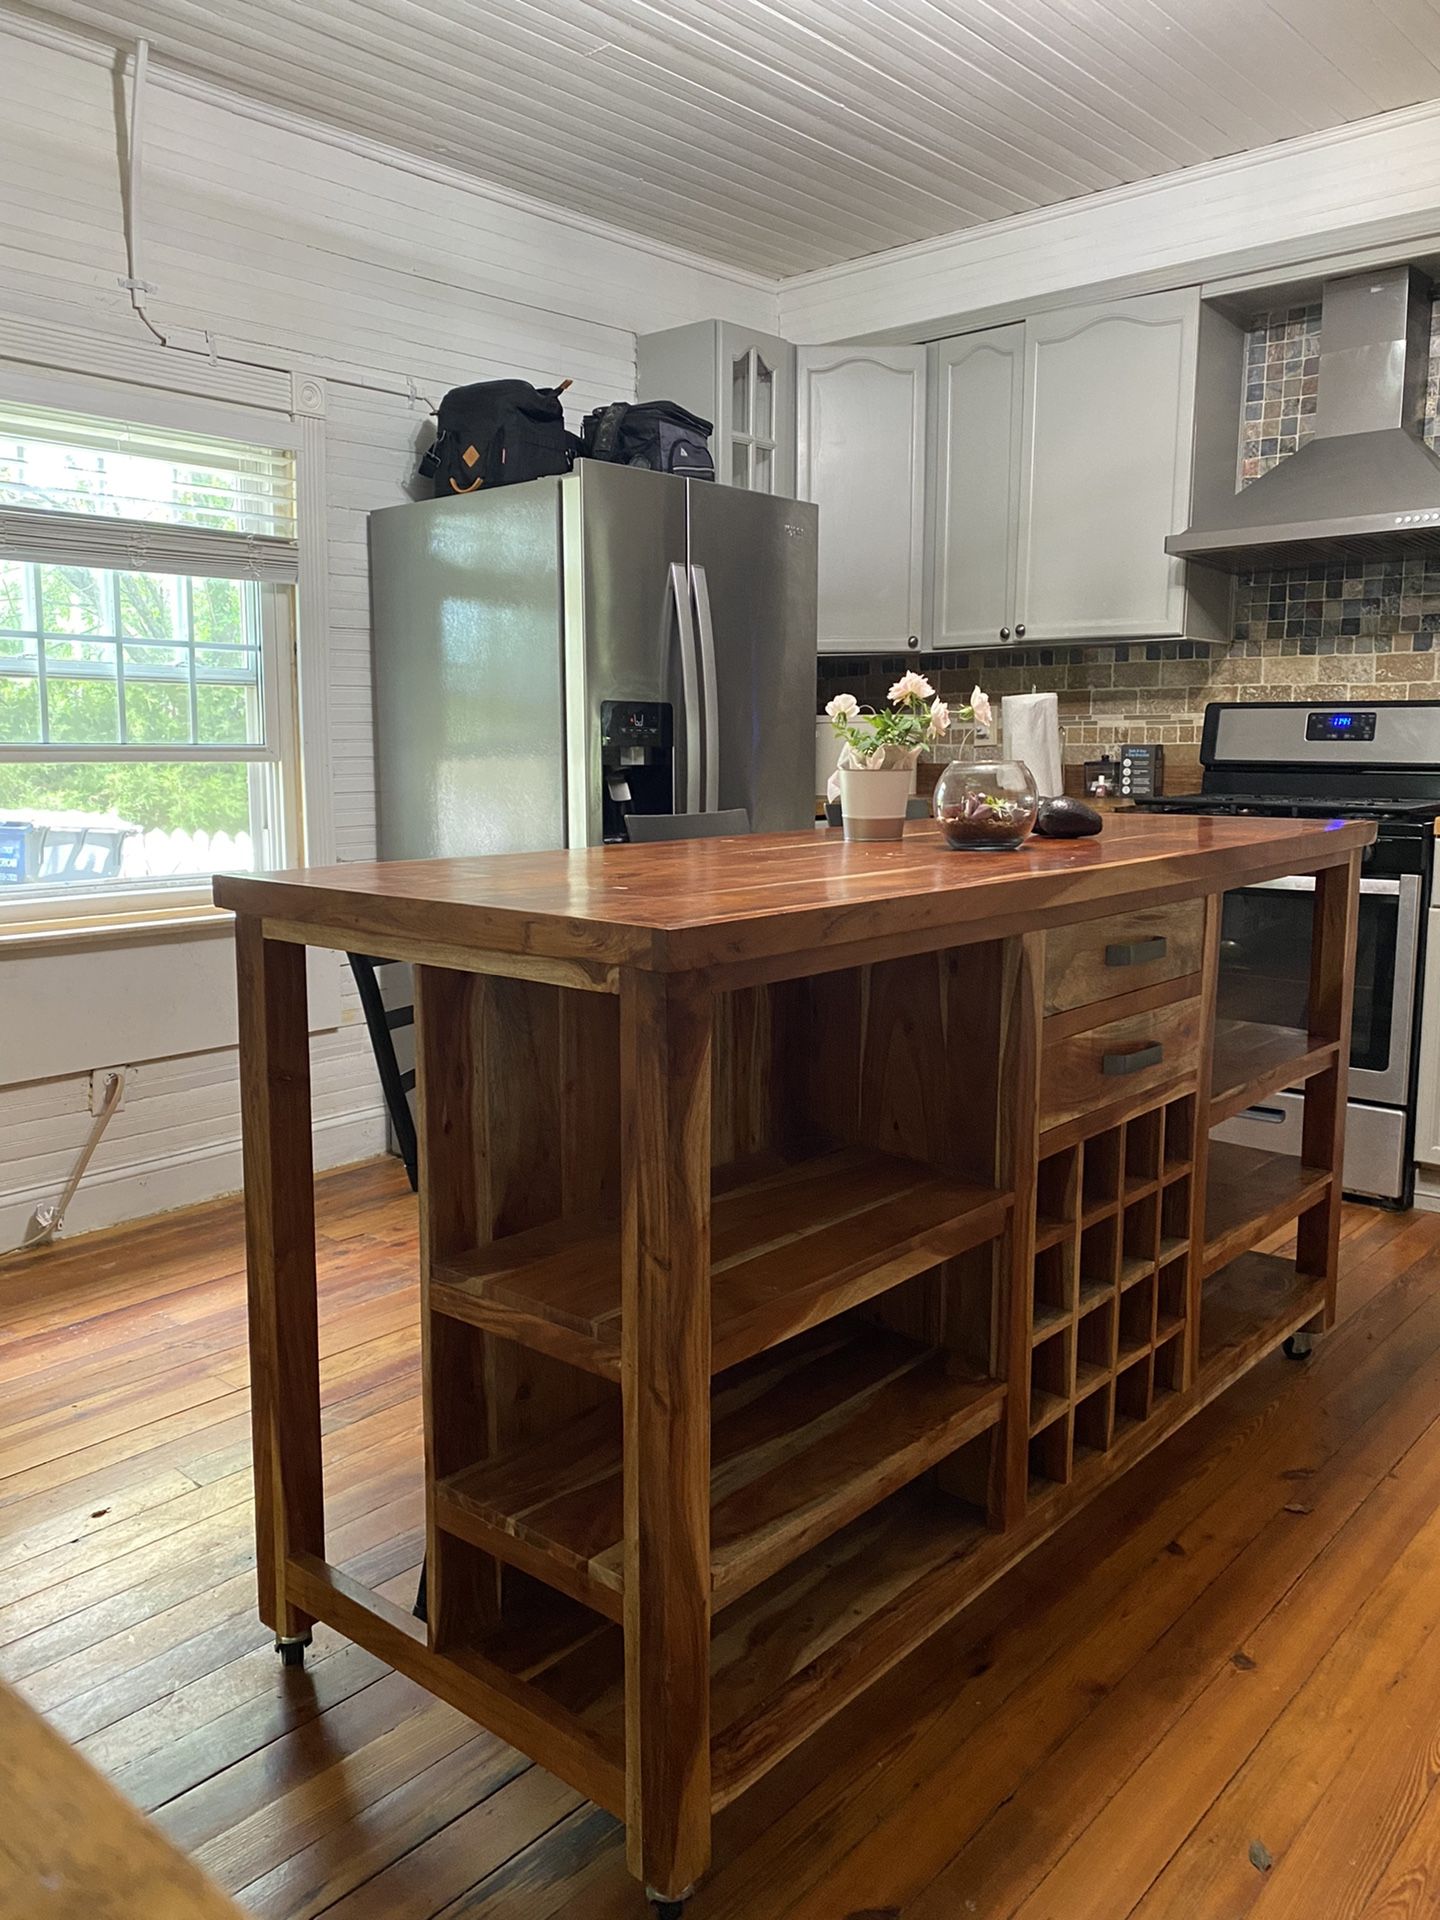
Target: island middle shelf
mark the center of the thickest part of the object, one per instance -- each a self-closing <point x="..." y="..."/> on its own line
<point x="790" y="1248"/>
<point x="1253" y="1059"/>
<point x="1250" y="1196"/>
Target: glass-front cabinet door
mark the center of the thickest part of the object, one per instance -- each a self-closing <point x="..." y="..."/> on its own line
<point x="741" y="381"/>
<point x="752" y="421"/>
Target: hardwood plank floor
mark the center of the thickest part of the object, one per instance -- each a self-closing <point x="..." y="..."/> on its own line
<point x="1216" y="1695"/>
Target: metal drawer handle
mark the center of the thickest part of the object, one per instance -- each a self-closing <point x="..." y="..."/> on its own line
<point x="1136" y="953"/>
<point x="1133" y="1061"/>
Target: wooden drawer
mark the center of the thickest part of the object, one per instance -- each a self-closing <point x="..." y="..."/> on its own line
<point x="1099" y="959"/>
<point x="1081" y="1072"/>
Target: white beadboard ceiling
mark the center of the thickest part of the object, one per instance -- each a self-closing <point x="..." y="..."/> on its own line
<point x="786" y="135"/>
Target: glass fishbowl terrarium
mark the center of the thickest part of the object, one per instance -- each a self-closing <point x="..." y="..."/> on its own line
<point x="986" y="805"/>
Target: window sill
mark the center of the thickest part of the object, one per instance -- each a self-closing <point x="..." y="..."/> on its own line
<point x="66" y="932"/>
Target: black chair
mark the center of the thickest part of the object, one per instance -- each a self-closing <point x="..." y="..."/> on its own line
<point x="686" y="826"/>
<point x="381" y="1022"/>
<point x="917" y="807"/>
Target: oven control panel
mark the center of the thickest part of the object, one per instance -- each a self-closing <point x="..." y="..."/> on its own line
<point x="1340" y="723"/>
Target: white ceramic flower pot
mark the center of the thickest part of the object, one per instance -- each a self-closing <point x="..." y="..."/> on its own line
<point x="872" y="803"/>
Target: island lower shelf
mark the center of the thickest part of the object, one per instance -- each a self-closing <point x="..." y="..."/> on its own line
<point x="849" y="1470"/>
<point x="802" y="1442"/>
<point x="794" y="1650"/>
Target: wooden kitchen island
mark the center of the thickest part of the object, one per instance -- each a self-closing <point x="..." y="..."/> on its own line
<point x="806" y="1231"/>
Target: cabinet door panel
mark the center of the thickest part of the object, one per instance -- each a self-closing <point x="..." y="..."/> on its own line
<point x="976" y="400"/>
<point x="861" y="448"/>
<point x="1109" y="398"/>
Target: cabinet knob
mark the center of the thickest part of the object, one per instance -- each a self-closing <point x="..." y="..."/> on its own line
<point x="1020" y="630"/>
<point x="1004" y="633"/>
<point x="913" y="641"/>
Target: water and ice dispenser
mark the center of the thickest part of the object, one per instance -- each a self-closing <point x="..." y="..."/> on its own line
<point x="637" y="761"/>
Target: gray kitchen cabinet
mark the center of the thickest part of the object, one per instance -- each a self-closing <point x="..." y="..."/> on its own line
<point x="1109" y="412"/>
<point x="1061" y="457"/>
<point x="976" y="388"/>
<point x="743" y="382"/>
<point x="860" y="451"/>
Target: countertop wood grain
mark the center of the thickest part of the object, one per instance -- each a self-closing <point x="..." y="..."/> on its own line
<point x="711" y="903"/>
<point x="72" y="1849"/>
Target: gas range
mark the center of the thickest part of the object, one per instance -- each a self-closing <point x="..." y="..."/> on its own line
<point x="1376" y="762"/>
<point x="1320" y="806"/>
<point x="1288" y="757"/>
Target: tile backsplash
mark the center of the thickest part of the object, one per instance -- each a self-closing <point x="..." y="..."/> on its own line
<point x="1347" y="631"/>
<point x="1331" y="635"/>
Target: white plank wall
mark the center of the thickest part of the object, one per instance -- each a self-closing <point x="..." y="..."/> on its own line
<point x="293" y="248"/>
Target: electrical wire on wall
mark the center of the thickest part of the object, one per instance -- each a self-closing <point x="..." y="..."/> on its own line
<point x="46" y="1222"/>
<point x="140" y="289"/>
<point x="134" y="282"/>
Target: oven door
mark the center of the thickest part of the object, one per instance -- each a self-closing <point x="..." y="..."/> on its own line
<point x="1265" y="971"/>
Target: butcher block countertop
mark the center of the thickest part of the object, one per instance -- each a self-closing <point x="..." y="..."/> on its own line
<point x="674" y="907"/>
<point x="807" y="1230"/>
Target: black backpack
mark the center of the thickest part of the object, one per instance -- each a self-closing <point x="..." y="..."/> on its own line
<point x="498" y="432"/>
<point x="653" y="433"/>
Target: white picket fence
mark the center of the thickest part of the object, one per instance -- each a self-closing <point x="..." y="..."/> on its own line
<point x="66" y="847"/>
<point x="156" y="855"/>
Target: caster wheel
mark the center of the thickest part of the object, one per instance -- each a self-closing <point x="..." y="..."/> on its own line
<point x="292" y="1652"/>
<point x="1299" y="1346"/>
<point x="667" y="1909"/>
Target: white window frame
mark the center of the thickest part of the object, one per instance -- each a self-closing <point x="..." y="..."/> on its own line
<point x="280" y="788"/>
<point x="295" y="672"/>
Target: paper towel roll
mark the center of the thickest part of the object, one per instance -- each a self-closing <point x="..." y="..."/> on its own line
<point x="1031" y="723"/>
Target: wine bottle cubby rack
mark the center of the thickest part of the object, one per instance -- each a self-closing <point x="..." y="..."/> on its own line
<point x="1111" y="1284"/>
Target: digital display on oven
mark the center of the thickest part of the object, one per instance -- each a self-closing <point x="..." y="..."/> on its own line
<point x="1344" y="725"/>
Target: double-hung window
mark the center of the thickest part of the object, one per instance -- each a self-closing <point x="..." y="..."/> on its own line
<point x="147" y="688"/>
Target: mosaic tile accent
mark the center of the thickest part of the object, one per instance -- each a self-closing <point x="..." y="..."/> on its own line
<point x="1373" y="608"/>
<point x="1281" y="387"/>
<point x="1282" y="378"/>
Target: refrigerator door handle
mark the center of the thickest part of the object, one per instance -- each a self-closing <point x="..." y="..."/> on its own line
<point x="689" y="685"/>
<point x="709" y="697"/>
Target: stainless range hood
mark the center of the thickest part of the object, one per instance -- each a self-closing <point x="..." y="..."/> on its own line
<point x="1366" y="486"/>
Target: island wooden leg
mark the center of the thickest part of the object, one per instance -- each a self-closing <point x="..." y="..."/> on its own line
<point x="1021" y="1014"/>
<point x="1200" y="1137"/>
<point x="665" y="1066"/>
<point x="280" y="1262"/>
<point x="462" y="1584"/>
<point x="1332" y="983"/>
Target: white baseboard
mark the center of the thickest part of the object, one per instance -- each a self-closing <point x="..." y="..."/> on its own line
<point x="1427" y="1189"/>
<point x="110" y="1195"/>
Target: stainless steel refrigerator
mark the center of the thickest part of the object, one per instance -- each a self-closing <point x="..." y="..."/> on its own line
<point x="551" y="656"/>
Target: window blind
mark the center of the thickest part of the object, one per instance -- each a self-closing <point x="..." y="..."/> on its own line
<point x="75" y="490"/>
